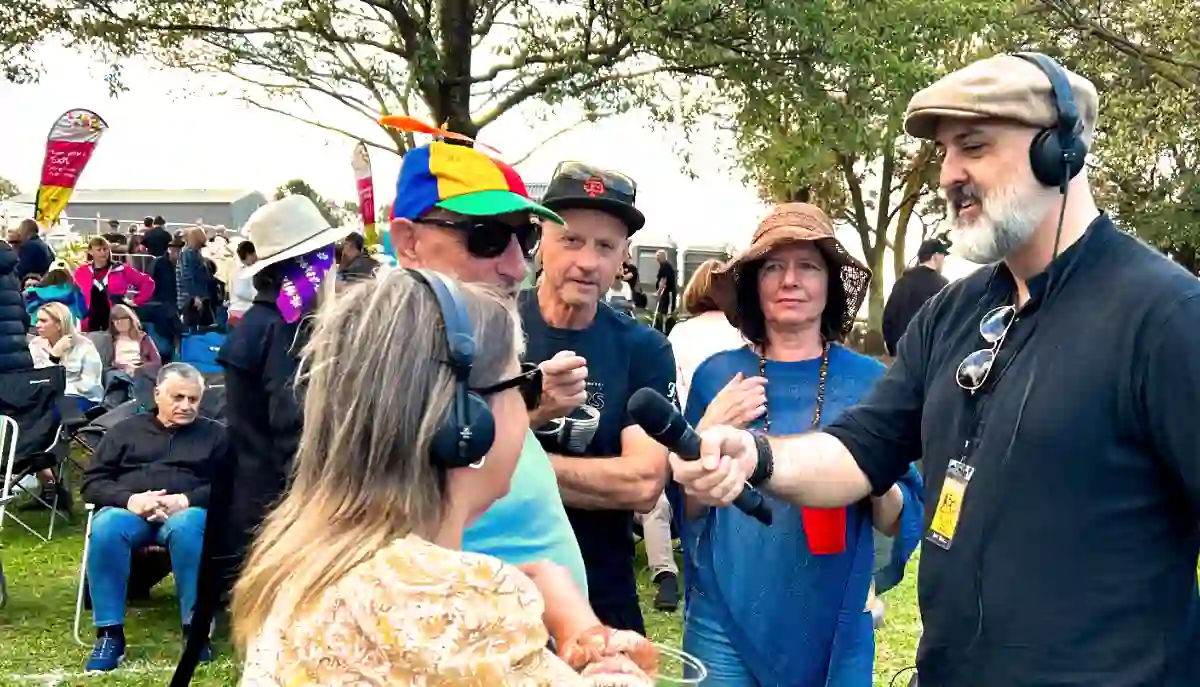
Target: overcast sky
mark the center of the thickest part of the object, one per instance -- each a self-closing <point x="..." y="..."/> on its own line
<point x="162" y="134"/>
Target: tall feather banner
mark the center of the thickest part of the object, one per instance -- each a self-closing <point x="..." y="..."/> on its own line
<point x="68" y="148"/>
<point x="360" y="161"/>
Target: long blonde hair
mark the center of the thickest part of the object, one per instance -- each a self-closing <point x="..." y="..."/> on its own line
<point x="66" y="321"/>
<point x="122" y="310"/>
<point x="377" y="386"/>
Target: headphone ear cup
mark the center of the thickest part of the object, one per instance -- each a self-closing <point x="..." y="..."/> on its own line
<point x="483" y="429"/>
<point x="450" y="448"/>
<point x="1046" y="158"/>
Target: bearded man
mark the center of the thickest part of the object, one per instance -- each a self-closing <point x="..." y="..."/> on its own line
<point x="1053" y="395"/>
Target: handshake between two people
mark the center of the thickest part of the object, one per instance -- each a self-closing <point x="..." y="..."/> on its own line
<point x="728" y="453"/>
<point x="156" y="506"/>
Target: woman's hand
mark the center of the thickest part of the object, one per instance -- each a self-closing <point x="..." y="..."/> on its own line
<point x="567" y="612"/>
<point x="742" y="401"/>
<point x="605" y="650"/>
<point x="61" y="348"/>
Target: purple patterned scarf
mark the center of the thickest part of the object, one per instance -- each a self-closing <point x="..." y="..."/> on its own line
<point x="302" y="277"/>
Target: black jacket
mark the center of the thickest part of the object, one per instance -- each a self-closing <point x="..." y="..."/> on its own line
<point x="140" y="454"/>
<point x="14" y="349"/>
<point x="909" y="293"/>
<point x="35" y="258"/>
<point x="265" y="418"/>
<point x="156" y="242"/>
<point x="361" y="267"/>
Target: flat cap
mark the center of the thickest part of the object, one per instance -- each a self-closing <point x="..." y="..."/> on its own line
<point x="999" y="87"/>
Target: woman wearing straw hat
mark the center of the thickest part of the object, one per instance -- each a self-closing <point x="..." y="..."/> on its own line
<point x="787" y="605"/>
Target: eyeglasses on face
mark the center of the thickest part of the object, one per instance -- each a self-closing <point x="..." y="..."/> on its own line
<point x="582" y="171"/>
<point x="529" y="382"/>
<point x="974" y="369"/>
<point x="488" y="237"/>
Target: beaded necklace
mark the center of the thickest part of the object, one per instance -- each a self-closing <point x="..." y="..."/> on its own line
<point x="816" y="421"/>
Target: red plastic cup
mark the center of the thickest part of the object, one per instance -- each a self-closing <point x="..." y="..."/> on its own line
<point x="825" y="529"/>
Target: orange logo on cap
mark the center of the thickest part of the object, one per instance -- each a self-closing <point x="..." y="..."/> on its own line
<point x="593" y="187"/>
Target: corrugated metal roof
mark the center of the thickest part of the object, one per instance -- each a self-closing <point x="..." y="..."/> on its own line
<point x="157" y="196"/>
<point x="537" y="189"/>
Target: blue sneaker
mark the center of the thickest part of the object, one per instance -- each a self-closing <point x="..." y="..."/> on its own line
<point x="106" y="655"/>
<point x="205" y="653"/>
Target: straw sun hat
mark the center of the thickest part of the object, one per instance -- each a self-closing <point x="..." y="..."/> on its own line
<point x="791" y="223"/>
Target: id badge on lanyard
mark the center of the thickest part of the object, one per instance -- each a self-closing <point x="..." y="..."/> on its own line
<point x="949" y="504"/>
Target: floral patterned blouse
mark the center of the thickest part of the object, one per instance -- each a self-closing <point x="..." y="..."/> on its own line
<point x="418" y="614"/>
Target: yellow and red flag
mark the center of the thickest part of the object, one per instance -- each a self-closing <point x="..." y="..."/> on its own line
<point x="360" y="161"/>
<point x="68" y="149"/>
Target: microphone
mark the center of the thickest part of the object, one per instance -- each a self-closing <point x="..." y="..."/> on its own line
<point x="664" y="423"/>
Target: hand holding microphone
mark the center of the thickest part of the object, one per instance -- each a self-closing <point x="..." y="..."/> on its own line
<point x="712" y="467"/>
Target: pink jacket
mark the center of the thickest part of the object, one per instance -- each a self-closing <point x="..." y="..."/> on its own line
<point x="121" y="278"/>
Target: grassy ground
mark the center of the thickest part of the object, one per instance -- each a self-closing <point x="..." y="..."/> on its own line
<point x="36" y="646"/>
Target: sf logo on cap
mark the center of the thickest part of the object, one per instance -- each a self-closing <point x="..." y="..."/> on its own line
<point x="593" y="187"/>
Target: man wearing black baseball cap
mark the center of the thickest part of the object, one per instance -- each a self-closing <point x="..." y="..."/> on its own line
<point x="606" y="466"/>
<point x="914" y="287"/>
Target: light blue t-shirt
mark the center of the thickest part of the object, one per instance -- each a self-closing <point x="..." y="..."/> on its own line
<point x="530" y="523"/>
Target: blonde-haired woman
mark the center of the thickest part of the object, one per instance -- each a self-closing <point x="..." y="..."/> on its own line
<point x="105" y="283"/>
<point x="132" y="348"/>
<point x="358" y="575"/>
<point x="58" y="342"/>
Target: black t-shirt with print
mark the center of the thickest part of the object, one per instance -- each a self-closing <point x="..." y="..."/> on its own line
<point x="623" y="355"/>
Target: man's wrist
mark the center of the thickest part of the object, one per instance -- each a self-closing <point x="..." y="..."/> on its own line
<point x="764" y="469"/>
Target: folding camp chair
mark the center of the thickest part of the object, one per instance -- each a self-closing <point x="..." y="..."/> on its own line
<point x="3" y="583"/>
<point x="34" y="407"/>
<point x="149" y="566"/>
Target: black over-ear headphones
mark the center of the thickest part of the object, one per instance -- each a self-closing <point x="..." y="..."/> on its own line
<point x="470" y="429"/>
<point x="1057" y="154"/>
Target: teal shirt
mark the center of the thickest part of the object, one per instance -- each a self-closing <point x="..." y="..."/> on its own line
<point x="529" y="524"/>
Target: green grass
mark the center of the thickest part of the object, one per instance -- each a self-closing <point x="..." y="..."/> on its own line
<point x="35" y="627"/>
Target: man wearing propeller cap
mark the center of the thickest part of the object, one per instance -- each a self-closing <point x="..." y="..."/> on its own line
<point x="462" y="213"/>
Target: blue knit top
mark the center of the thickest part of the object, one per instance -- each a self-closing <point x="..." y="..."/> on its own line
<point x="795" y="618"/>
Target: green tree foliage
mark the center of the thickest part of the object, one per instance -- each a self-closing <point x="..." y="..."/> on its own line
<point x="334" y="212"/>
<point x="463" y="63"/>
<point x="831" y="133"/>
<point x="8" y="189"/>
<point x="1145" y="59"/>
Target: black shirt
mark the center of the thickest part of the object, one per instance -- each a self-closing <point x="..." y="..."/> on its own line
<point x="623" y="355"/>
<point x="666" y="275"/>
<point x="140" y="454"/>
<point x="909" y="293"/>
<point x="1074" y="559"/>
<point x="156" y="241"/>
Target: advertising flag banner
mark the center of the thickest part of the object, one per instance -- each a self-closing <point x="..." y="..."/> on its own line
<point x="68" y="148"/>
<point x="361" y="162"/>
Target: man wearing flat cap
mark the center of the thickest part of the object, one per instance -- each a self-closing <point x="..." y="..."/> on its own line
<point x="1053" y="396"/>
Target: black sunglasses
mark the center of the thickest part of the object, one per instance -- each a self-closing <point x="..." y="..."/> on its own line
<point x="529" y="382"/>
<point x="488" y="237"/>
<point x="583" y="172"/>
<point x="973" y="370"/>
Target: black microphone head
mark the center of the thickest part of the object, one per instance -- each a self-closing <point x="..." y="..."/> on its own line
<point x="657" y="416"/>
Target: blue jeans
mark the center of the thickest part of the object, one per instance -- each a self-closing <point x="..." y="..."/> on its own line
<point x="704" y="639"/>
<point x="117" y="533"/>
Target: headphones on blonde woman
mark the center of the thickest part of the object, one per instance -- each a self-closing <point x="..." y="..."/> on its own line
<point x="1057" y="154"/>
<point x="469" y="429"/>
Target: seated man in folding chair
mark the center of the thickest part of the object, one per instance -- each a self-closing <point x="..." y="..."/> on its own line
<point x="149" y="480"/>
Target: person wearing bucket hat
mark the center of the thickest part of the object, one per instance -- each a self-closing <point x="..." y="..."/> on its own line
<point x="793" y="294"/>
<point x="1052" y="396"/>
<point x="294" y="244"/>
<point x="463" y="213"/>
<point x="607" y="467"/>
